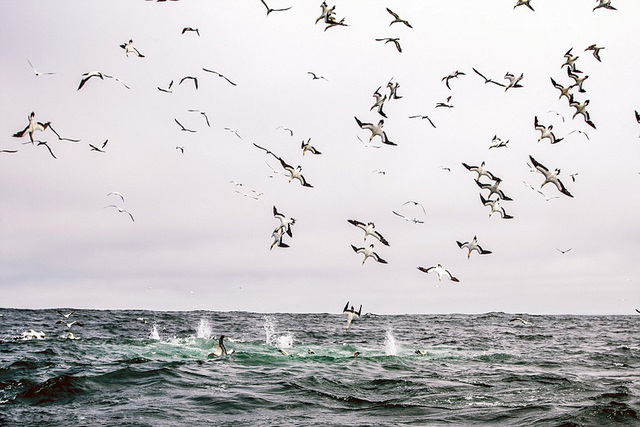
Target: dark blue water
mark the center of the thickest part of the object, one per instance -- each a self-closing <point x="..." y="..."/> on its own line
<point x="472" y="370"/>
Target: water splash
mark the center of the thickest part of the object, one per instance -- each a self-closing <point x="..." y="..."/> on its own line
<point x="390" y="345"/>
<point x="203" y="329"/>
<point x="272" y="338"/>
<point x="154" y="335"/>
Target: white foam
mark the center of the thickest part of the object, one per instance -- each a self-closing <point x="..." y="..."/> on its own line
<point x="154" y="335"/>
<point x="390" y="345"/>
<point x="204" y="329"/>
<point x="272" y="338"/>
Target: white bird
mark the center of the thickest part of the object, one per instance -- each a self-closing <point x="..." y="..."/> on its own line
<point x="487" y="80"/>
<point x="285" y="223"/>
<point x="420" y="116"/>
<point x="545" y="132"/>
<point x="440" y="271"/>
<point x="550" y="177"/>
<point x="115" y="193"/>
<point x="493" y="189"/>
<point x="286" y="129"/>
<point x="605" y="4"/>
<point x="398" y="19"/>
<point x="369" y="230"/>
<point x="524" y="3"/>
<point x="376" y="130"/>
<point x="86" y="76"/>
<point x="596" y="51"/>
<point x="472" y="246"/>
<point x="368" y="253"/>
<point x="395" y="41"/>
<point x="495" y="207"/>
<point x="393" y="90"/>
<point x="581" y="108"/>
<point x="220" y="349"/>
<point x="69" y="324"/>
<point x="38" y="73"/>
<point x="295" y="173"/>
<point x="99" y="149"/>
<point x="480" y="170"/>
<point x="406" y="218"/>
<point x="65" y="315"/>
<point x="379" y="102"/>
<point x="277" y="235"/>
<point x="498" y="143"/>
<point x="351" y="314"/>
<point x="445" y="104"/>
<point x="269" y="10"/>
<point x="233" y="131"/>
<point x="306" y="146"/>
<point x="513" y="81"/>
<point x="121" y="210"/>
<point x="128" y="48"/>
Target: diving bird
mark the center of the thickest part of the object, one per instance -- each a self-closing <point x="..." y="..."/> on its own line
<point x="277" y="236"/>
<point x="440" y="271"/>
<point x="314" y="76"/>
<point x="513" y="81"/>
<point x="326" y="12"/>
<point x="351" y="314"/>
<point x="285" y="223"/>
<point x="368" y="253"/>
<point x="493" y="189"/>
<point x="472" y="246"/>
<point x="376" y="130"/>
<point x="379" y="102"/>
<point x="395" y="41"/>
<point x="306" y="146"/>
<point x="581" y="108"/>
<point x="121" y="210"/>
<point x="495" y="207"/>
<point x="596" y="51"/>
<point x="487" y="80"/>
<point x="166" y="89"/>
<point x="194" y="79"/>
<point x="480" y="170"/>
<point x="190" y="29"/>
<point x="369" y="230"/>
<point x="397" y="19"/>
<point x="524" y="3"/>
<point x="419" y="116"/>
<point x="550" y="176"/>
<point x="204" y="114"/>
<point x="453" y="75"/>
<point x="269" y="10"/>
<point x="99" y="149"/>
<point x="128" y="48"/>
<point x="219" y="75"/>
<point x="38" y="73"/>
<point x="115" y="193"/>
<point x="182" y="128"/>
<point x="545" y="132"/>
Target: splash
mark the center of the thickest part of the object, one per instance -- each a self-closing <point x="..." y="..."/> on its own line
<point x="272" y="338"/>
<point x="204" y="329"/>
<point x="154" y="335"/>
<point x="390" y="345"/>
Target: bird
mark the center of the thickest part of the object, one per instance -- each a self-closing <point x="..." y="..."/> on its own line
<point x="423" y="117"/>
<point x="69" y="324"/>
<point x="440" y="271"/>
<point x="277" y="235"/>
<point x="445" y="104"/>
<point x="167" y="89"/>
<point x="563" y="252"/>
<point x="233" y="131"/>
<point x="379" y="102"/>
<point x="393" y="89"/>
<point x="253" y="195"/>
<point x="397" y="19"/>
<point x="414" y="203"/>
<point x="306" y="146"/>
<point x="128" y="48"/>
<point x="285" y="223"/>
<point x="513" y="81"/>
<point x="579" y="131"/>
<point x="453" y="75"/>
<point x="32" y="127"/>
<point x="549" y="176"/>
<point x="295" y="173"/>
<point x="48" y="148"/>
<point x="379" y="172"/>
<point x="557" y="114"/>
<point x="395" y="41"/>
<point x="493" y="189"/>
<point x="498" y="143"/>
<point x="472" y="246"/>
<point x="369" y="230"/>
<point x="38" y="73"/>
<point x="182" y="128"/>
<point x="331" y="22"/>
<point x="579" y="81"/>
<point x="99" y="149"/>
<point x="314" y="76"/>
<point x="571" y="62"/>
<point x="219" y="75"/>
<point x="524" y="3"/>
<point x="220" y="349"/>
<point x="121" y="210"/>
<point x="605" y="4"/>
<point x="581" y="108"/>
<point x="480" y="170"/>
<point x="495" y="207"/>
<point x="406" y="218"/>
<point x="269" y="10"/>
<point x="326" y="12"/>
<point x="376" y="130"/>
<point x="545" y="131"/>
<point x="351" y="314"/>
<point x="190" y="29"/>
<point x="194" y="79"/>
<point x="9" y="151"/>
<point x="115" y="193"/>
<point x="65" y="315"/>
<point x="486" y="80"/>
<point x="286" y="129"/>
<point x="637" y="117"/>
<point x="368" y="253"/>
<point x="203" y="114"/>
<point x="564" y="91"/>
<point x="596" y="51"/>
<point x="86" y="76"/>
<point x="573" y="176"/>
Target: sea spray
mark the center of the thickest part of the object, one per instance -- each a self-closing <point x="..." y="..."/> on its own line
<point x="272" y="338"/>
<point x="154" y="335"/>
<point x="390" y="345"/>
<point x="203" y="330"/>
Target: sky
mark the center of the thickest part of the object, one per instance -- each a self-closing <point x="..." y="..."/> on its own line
<point x="197" y="243"/>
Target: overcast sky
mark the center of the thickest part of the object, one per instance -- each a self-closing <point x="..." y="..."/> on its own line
<point x="198" y="244"/>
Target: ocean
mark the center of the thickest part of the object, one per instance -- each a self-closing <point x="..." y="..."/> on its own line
<point x="149" y="368"/>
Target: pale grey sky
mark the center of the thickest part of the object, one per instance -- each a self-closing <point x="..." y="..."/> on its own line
<point x="196" y="243"/>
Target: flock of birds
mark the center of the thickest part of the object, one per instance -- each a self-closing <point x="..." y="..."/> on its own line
<point x="485" y="180"/>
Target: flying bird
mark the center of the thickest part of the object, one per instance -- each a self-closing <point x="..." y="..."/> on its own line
<point x="472" y="246"/>
<point x="414" y="203"/>
<point x="524" y="3"/>
<point x="376" y="130"/>
<point x="181" y="148"/>
<point x="115" y="193"/>
<point x="604" y="4"/>
<point x="369" y="230"/>
<point x="99" y="149"/>
<point x="48" y="148"/>
<point x="219" y="75"/>
<point x="579" y="131"/>
<point x="351" y="314"/>
<point x="306" y="146"/>
<point x="285" y="223"/>
<point x="480" y="170"/>
<point x="579" y="81"/>
<point x="563" y="252"/>
<point x="397" y="19"/>
<point x="564" y="91"/>
<point x="86" y="76"/>
<point x="570" y="62"/>
<point x="194" y="79"/>
<point x="233" y="131"/>
<point x="38" y="73"/>
<point x="128" y="48"/>
<point x="453" y="75"/>
<point x="32" y="127"/>
<point x="596" y="51"/>
<point x="368" y="253"/>
<point x="167" y="89"/>
<point x="314" y="76"/>
<point x="406" y="218"/>
<point x="423" y="117"/>
<point x="204" y="114"/>
<point x="495" y="207"/>
<point x="393" y="89"/>
<point x="121" y="210"/>
<point x="493" y="189"/>
<point x="286" y="129"/>
<point x="581" y="108"/>
<point x="269" y="10"/>
<point x="545" y="132"/>
<point x="445" y="104"/>
<point x="550" y="176"/>
<point x="190" y="29"/>
<point x="395" y="41"/>
<point x="182" y="128"/>
<point x="498" y="143"/>
<point x="486" y="80"/>
<point x="440" y="271"/>
<point x="295" y="173"/>
<point x="513" y="81"/>
<point x="379" y="102"/>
